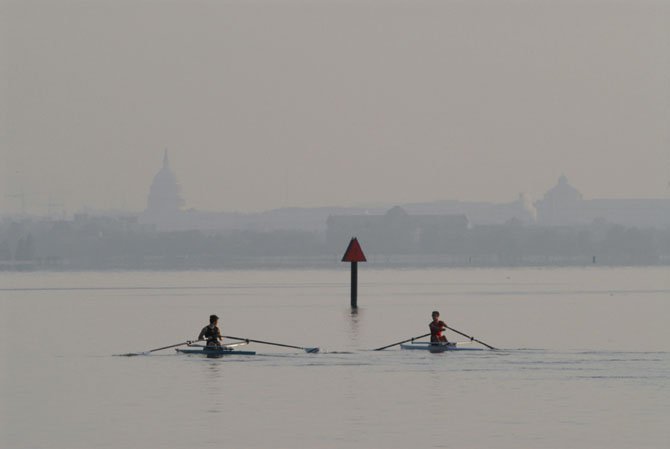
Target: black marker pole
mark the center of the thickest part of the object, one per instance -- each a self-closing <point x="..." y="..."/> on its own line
<point x="354" y="254"/>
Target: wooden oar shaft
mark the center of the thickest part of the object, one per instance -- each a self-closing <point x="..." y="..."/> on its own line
<point x="265" y="342"/>
<point x="471" y="338"/>
<point x="404" y="341"/>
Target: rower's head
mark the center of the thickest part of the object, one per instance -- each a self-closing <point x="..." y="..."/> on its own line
<point x="213" y="319"/>
<point x="435" y="314"/>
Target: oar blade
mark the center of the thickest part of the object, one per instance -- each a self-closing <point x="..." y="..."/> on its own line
<point x="311" y="350"/>
<point x="133" y="354"/>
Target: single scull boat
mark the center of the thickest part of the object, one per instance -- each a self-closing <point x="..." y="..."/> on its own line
<point x="439" y="347"/>
<point x="215" y="352"/>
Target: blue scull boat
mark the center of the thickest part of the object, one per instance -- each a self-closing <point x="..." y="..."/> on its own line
<point x="215" y="352"/>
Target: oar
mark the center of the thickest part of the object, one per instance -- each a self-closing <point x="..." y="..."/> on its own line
<point x="307" y="350"/>
<point x="130" y="354"/>
<point x="471" y="338"/>
<point x="404" y="341"/>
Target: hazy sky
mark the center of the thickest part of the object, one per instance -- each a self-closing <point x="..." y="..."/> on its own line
<point x="265" y="104"/>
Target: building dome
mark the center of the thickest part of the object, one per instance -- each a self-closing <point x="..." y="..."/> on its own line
<point x="397" y="212"/>
<point x="164" y="194"/>
<point x="560" y="205"/>
<point x="563" y="192"/>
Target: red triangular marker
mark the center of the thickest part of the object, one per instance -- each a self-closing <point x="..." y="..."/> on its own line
<point x="354" y="253"/>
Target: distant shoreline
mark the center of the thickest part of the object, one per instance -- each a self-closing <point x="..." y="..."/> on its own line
<point x="318" y="263"/>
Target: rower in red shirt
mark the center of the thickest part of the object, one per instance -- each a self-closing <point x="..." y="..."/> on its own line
<point x="436" y="327"/>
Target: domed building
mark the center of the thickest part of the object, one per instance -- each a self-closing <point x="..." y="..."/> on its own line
<point x="164" y="204"/>
<point x="561" y="205"/>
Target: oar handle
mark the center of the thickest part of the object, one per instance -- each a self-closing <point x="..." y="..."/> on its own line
<point x="471" y="338"/>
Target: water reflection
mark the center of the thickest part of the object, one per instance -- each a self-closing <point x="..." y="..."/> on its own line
<point x="355" y="315"/>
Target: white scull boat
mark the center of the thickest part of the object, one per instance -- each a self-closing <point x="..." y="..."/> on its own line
<point x="440" y="347"/>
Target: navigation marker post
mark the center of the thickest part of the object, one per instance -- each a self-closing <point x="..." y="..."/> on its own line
<point x="354" y="254"/>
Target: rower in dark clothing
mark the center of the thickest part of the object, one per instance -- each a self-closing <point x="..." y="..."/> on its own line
<point x="436" y="327"/>
<point x="211" y="332"/>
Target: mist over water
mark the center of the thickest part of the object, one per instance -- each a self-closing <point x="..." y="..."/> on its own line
<point x="584" y="359"/>
<point x="269" y="104"/>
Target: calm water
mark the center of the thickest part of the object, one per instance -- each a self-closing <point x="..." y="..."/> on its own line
<point x="585" y="364"/>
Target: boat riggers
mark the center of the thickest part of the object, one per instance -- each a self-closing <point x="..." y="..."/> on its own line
<point x="307" y="350"/>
